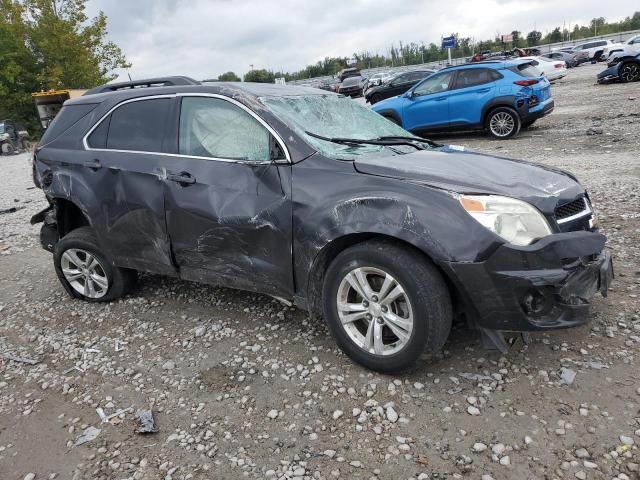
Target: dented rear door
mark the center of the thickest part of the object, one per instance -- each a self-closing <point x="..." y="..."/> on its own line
<point x="228" y="205"/>
<point x="119" y="182"/>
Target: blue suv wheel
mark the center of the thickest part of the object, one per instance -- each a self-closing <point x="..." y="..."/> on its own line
<point x="503" y="122"/>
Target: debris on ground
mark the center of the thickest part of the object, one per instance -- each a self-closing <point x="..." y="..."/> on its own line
<point x="18" y="359"/>
<point x="89" y="434"/>
<point x="145" y="421"/>
<point x="567" y="376"/>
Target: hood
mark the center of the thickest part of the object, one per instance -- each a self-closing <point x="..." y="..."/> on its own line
<point x="465" y="171"/>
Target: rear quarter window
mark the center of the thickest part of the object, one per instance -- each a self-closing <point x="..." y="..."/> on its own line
<point x="526" y="70"/>
<point x="68" y="116"/>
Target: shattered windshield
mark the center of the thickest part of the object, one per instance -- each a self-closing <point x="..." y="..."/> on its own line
<point x="335" y="116"/>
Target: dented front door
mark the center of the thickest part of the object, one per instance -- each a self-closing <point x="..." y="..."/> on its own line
<point x="228" y="206"/>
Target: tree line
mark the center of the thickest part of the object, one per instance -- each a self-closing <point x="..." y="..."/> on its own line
<point x="49" y="45"/>
<point x="417" y="53"/>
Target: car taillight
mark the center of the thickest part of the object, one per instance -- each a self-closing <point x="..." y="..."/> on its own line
<point x="526" y="83"/>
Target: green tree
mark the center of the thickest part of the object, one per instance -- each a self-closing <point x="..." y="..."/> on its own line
<point x="228" y="77"/>
<point x="555" y="36"/>
<point x="533" y="38"/>
<point x="51" y="44"/>
<point x="260" y="76"/>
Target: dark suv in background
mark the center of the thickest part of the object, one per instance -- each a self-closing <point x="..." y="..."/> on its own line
<point x="396" y="86"/>
<point x="307" y="196"/>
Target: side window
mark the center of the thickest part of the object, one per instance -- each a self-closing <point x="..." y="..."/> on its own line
<point x="495" y="75"/>
<point x="211" y="127"/>
<point x="98" y="138"/>
<point x="472" y="77"/>
<point x="400" y="80"/>
<point x="435" y="84"/>
<point x="137" y="126"/>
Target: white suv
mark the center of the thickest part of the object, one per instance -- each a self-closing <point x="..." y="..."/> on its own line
<point x="629" y="47"/>
<point x="594" y="48"/>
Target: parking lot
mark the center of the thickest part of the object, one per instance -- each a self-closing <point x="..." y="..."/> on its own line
<point x="242" y="386"/>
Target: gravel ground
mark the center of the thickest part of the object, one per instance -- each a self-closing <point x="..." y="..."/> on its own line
<point x="242" y="386"/>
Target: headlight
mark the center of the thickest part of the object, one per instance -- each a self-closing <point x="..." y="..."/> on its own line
<point x="514" y="220"/>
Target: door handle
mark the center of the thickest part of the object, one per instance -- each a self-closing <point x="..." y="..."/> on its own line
<point x="183" y="178"/>
<point x="484" y="90"/>
<point x="93" y="164"/>
<point x="439" y="99"/>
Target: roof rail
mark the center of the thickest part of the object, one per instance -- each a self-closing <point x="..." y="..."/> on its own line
<point x="145" y="83"/>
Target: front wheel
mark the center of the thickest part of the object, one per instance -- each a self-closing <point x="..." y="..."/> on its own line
<point x="84" y="270"/>
<point x="384" y="307"/>
<point x="629" y="72"/>
<point x="503" y="123"/>
<point x="375" y="98"/>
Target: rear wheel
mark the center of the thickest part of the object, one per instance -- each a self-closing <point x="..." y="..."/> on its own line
<point x="503" y="122"/>
<point x="383" y="307"/>
<point x="629" y="72"/>
<point x="85" y="271"/>
<point x="375" y="98"/>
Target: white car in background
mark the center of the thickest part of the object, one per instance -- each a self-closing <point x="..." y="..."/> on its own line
<point x="629" y="47"/>
<point x="553" y="69"/>
<point x="379" y="78"/>
<point x="594" y="49"/>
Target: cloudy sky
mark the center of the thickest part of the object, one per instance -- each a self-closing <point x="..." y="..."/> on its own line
<point x="203" y="38"/>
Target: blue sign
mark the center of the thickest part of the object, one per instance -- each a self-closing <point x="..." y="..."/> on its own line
<point x="449" y="42"/>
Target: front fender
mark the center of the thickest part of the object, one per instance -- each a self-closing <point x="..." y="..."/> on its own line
<point x="429" y="219"/>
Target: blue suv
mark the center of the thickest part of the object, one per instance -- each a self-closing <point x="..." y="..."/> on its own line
<point x="500" y="97"/>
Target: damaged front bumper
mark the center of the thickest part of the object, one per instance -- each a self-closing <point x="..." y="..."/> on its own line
<point x="609" y="75"/>
<point x="541" y="286"/>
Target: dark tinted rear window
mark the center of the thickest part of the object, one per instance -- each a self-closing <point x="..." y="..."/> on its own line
<point x="139" y="126"/>
<point x="66" y="118"/>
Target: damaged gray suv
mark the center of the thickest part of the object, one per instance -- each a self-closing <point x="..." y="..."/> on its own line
<point x="307" y="196"/>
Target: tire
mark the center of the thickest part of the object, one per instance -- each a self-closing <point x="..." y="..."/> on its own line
<point x="629" y="72"/>
<point x="393" y="119"/>
<point x="499" y="120"/>
<point x="423" y="307"/>
<point x="107" y="283"/>
<point x="7" y="148"/>
<point x="527" y="124"/>
<point x="375" y="98"/>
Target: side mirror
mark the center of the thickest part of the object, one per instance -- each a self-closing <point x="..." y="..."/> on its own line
<point x="410" y="94"/>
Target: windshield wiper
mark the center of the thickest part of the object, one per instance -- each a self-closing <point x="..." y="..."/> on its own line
<point x="381" y="141"/>
<point x="431" y="143"/>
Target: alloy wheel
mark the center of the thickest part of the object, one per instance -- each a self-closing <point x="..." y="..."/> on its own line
<point x="502" y="124"/>
<point x="375" y="311"/>
<point x="630" y="72"/>
<point x="84" y="273"/>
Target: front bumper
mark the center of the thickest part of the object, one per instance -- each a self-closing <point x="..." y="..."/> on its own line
<point x="609" y="75"/>
<point x="545" y="285"/>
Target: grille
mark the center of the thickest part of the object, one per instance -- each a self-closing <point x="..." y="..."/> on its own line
<point x="570" y="209"/>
